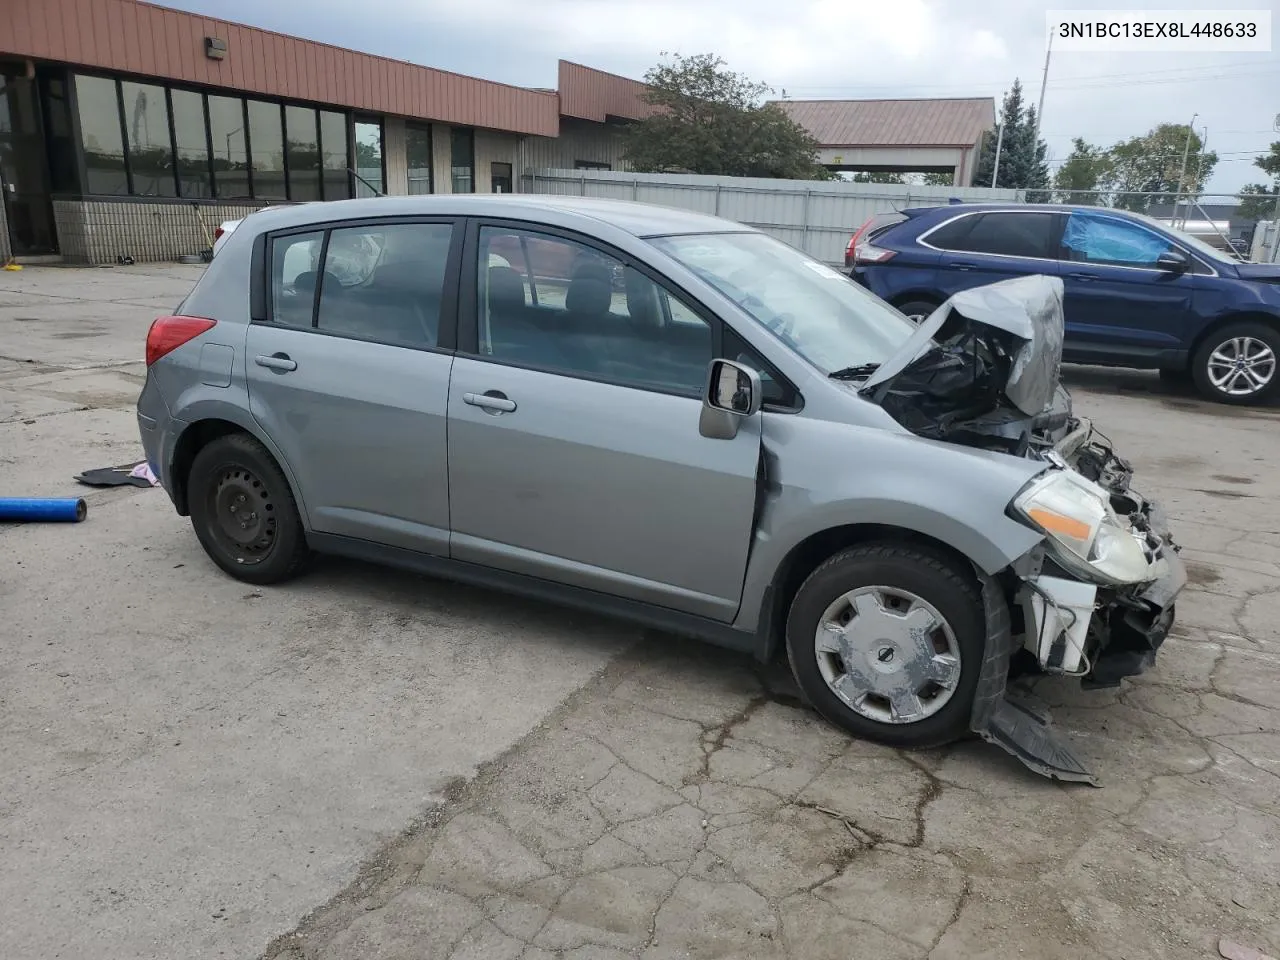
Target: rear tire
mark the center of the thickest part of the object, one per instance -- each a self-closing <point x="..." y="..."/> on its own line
<point x="1237" y="364"/>
<point x="886" y="640"/>
<point x="243" y="511"/>
<point x="917" y="310"/>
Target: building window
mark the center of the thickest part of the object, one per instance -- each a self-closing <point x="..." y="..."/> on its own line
<point x="230" y="148"/>
<point x="63" y="176"/>
<point x="418" y="152"/>
<point x="462" y="143"/>
<point x="500" y="177"/>
<point x="146" y="121"/>
<point x="192" y="141"/>
<point x="303" y="153"/>
<point x="369" y="158"/>
<point x="590" y="165"/>
<point x="266" y="150"/>
<point x="335" y="147"/>
<point x="102" y="136"/>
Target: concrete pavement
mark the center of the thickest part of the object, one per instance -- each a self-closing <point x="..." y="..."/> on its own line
<point x="189" y="767"/>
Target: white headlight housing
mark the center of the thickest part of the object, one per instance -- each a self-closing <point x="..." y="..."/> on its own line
<point x="1084" y="533"/>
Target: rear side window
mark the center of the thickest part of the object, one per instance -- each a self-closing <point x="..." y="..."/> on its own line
<point x="1005" y="234"/>
<point x="382" y="282"/>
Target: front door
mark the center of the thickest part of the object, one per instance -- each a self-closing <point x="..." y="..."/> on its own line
<point x="350" y="377"/>
<point x="24" y="183"/>
<point x="1117" y="304"/>
<point x="574" y="451"/>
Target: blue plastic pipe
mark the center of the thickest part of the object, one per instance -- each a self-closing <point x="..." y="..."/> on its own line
<point x="46" y="509"/>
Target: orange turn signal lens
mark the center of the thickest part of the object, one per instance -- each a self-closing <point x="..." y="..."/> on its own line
<point x="1057" y="523"/>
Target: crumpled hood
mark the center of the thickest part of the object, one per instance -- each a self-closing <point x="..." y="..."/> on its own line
<point x="1027" y="317"/>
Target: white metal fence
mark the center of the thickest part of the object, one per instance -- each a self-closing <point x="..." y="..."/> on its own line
<point x="816" y="216"/>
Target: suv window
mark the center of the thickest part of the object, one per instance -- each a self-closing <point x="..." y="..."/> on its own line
<point x="1103" y="240"/>
<point x="1007" y="234"/>
<point x="383" y="282"/>
<point x="553" y="303"/>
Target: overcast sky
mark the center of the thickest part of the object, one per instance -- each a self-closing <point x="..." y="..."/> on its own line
<point x="827" y="49"/>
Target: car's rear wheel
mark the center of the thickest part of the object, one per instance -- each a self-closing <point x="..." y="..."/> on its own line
<point x="243" y="511"/>
<point x="917" y="310"/>
<point x="886" y="641"/>
<point x="1237" y="364"/>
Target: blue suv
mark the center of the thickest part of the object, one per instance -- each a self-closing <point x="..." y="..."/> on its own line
<point x="1137" y="293"/>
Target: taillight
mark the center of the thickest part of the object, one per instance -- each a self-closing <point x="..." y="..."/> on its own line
<point x="850" y="251"/>
<point x="217" y="234"/>
<point x="870" y="253"/>
<point x="169" y="333"/>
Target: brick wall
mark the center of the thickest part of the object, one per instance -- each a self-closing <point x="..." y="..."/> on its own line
<point x="101" y="231"/>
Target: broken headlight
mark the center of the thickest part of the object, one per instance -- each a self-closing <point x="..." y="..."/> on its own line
<point x="1084" y="534"/>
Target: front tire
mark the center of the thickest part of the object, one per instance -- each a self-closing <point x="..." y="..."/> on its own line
<point x="243" y="511"/>
<point x="886" y="641"/>
<point x="1237" y="364"/>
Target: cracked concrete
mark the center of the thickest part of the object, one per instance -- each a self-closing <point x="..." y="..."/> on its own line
<point x="670" y="801"/>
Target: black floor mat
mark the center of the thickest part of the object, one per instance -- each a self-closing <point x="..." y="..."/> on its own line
<point x="113" y="477"/>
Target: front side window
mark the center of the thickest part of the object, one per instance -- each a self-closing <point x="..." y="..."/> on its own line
<point x="555" y="304"/>
<point x="266" y="144"/>
<point x="383" y="283"/>
<point x="822" y="315"/>
<point x="462" y="163"/>
<point x="146" y="114"/>
<point x="100" y="132"/>
<point x="1005" y="234"/>
<point x="1102" y="240"/>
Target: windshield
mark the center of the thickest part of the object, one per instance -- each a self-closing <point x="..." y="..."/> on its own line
<point x="823" y="315"/>
<point x="1195" y="243"/>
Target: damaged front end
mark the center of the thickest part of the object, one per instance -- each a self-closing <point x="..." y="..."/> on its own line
<point x="1095" y="599"/>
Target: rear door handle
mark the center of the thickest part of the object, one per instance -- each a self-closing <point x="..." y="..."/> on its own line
<point x="277" y="361"/>
<point x="963" y="266"/>
<point x="493" y="401"/>
<point x="1082" y="276"/>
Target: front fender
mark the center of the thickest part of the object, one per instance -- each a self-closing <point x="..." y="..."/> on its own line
<point x="823" y="476"/>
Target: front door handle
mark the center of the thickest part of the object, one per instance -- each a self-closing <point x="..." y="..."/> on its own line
<point x="962" y="266"/>
<point x="493" y="401"/>
<point x="1082" y="276"/>
<point x="277" y="361"/>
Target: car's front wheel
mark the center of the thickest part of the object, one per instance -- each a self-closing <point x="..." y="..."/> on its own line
<point x="1237" y="364"/>
<point x="243" y="511"/>
<point x="887" y="641"/>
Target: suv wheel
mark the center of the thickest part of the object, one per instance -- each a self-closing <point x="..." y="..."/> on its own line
<point x="887" y="642"/>
<point x="1237" y="364"/>
<point x="917" y="310"/>
<point x="243" y="511"/>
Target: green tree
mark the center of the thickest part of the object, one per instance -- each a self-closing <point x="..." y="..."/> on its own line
<point x="1152" y="164"/>
<point x="1022" y="153"/>
<point x="712" y="121"/>
<point x="939" y="179"/>
<point x="1084" y="169"/>
<point x="877" y="176"/>
<point x="1262" y="201"/>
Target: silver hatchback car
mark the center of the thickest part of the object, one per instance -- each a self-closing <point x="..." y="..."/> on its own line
<point x="674" y="419"/>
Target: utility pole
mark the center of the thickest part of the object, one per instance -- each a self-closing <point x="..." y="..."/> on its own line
<point x="1182" y="175"/>
<point x="995" y="169"/>
<point x="1044" y="80"/>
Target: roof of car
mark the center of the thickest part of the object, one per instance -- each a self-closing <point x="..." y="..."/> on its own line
<point x="639" y="219"/>
<point x="1019" y="207"/>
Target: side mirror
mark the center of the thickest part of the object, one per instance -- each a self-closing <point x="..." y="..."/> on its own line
<point x="1173" y="261"/>
<point x="732" y="394"/>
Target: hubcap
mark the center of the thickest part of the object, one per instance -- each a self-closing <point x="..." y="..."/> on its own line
<point x="1241" y="366"/>
<point x="243" y="515"/>
<point x="888" y="654"/>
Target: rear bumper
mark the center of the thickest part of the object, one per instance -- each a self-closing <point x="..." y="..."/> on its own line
<point x="158" y="432"/>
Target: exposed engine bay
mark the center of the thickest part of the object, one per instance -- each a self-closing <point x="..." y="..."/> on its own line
<point x="1095" y="600"/>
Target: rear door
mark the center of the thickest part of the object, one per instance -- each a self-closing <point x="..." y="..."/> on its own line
<point x="349" y="374"/>
<point x="574" y="451"/>
<point x="1118" y="304"/>
<point x="986" y="247"/>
